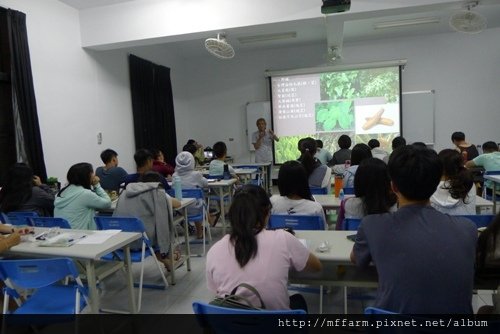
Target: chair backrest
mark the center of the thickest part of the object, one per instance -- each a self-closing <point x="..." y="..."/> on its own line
<point x="126" y="224"/>
<point x="296" y="222"/>
<point x="204" y="308"/>
<point x="351" y="224"/>
<point x="37" y="273"/>
<point x="214" y="177"/>
<point x="49" y="222"/>
<point x="374" y="310"/>
<point x="188" y="193"/>
<point x="21" y="217"/>
<point x="319" y="191"/>
<point x="4" y="219"/>
<point x="348" y="191"/>
<point x="492" y="172"/>
<point x="480" y="220"/>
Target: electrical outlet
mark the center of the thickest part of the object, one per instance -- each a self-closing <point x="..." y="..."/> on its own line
<point x="99" y="138"/>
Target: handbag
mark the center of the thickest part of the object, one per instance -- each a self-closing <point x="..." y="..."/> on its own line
<point x="234" y="301"/>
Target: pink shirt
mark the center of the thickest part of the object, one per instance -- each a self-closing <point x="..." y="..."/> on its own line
<point x="278" y="251"/>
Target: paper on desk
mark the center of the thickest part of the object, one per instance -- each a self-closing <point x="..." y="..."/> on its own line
<point x="98" y="237"/>
<point x="304" y="242"/>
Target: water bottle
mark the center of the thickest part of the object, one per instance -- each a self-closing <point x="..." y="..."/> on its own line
<point x="341" y="195"/>
<point x="178" y="187"/>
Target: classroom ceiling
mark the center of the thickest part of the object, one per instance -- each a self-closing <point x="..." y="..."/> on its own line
<point x="353" y="27"/>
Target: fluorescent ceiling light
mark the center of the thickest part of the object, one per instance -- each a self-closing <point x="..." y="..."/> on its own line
<point x="268" y="37"/>
<point x="404" y="23"/>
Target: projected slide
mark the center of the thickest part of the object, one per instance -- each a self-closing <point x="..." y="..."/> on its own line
<point x="363" y="104"/>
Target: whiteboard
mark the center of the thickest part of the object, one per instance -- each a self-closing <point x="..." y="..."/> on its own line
<point x="254" y="111"/>
<point x="418" y="116"/>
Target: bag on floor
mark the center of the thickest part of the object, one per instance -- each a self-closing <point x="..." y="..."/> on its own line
<point x="234" y="301"/>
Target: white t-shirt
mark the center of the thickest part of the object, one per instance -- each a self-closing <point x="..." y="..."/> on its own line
<point x="442" y="201"/>
<point x="278" y="251"/>
<point x="284" y="205"/>
<point x="265" y="151"/>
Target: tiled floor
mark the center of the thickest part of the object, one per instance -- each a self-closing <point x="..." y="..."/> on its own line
<point x="191" y="286"/>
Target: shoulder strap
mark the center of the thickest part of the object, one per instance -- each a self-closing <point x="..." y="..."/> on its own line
<point x="252" y="289"/>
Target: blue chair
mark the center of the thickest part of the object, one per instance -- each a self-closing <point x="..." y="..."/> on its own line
<point x="351" y="224"/>
<point x="348" y="191"/>
<point x="319" y="191"/>
<point x="131" y="224"/>
<point x="49" y="222"/>
<point x="44" y="276"/>
<point x="242" y="321"/>
<point x="296" y="222"/>
<point x="21" y="218"/>
<point x="374" y="310"/>
<point x="199" y="195"/>
<point x="479" y="220"/>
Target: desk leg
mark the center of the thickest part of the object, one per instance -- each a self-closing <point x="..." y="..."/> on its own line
<point x="130" y="280"/>
<point x="186" y="240"/>
<point x="222" y="209"/>
<point x="92" y="283"/>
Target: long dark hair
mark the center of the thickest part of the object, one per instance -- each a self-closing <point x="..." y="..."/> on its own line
<point x="292" y="180"/>
<point x="308" y="149"/>
<point x="79" y="175"/>
<point x="17" y="189"/>
<point x="459" y="178"/>
<point x="373" y="185"/>
<point x="248" y="213"/>
<point x="486" y="243"/>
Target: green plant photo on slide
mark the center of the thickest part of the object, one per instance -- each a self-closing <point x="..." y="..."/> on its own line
<point x="337" y="115"/>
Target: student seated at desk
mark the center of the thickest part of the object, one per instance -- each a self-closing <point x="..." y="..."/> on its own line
<point x="456" y="193"/>
<point x="216" y="167"/>
<point x="467" y="150"/>
<point x="191" y="179"/>
<point x="424" y="258"/>
<point x="359" y="153"/>
<point x="23" y="191"/>
<point x="159" y="164"/>
<point x="295" y="196"/>
<point x="111" y="175"/>
<point x="318" y="174"/>
<point x="490" y="160"/>
<point x="344" y="153"/>
<point x="148" y="201"/>
<point x="144" y="162"/>
<point x="83" y="195"/>
<point x="372" y="188"/>
<point x="256" y="256"/>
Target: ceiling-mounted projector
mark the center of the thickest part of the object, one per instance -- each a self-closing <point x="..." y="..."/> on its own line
<point x="335" y="6"/>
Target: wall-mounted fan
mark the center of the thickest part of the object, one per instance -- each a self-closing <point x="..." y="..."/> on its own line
<point x="219" y="47"/>
<point x="468" y="21"/>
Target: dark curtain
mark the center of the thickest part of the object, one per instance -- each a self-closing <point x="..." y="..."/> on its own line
<point x="23" y="93"/>
<point x="152" y="107"/>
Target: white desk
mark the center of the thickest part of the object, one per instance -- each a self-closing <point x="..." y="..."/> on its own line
<point x="90" y="254"/>
<point x="329" y="202"/>
<point x="495" y="179"/>
<point x="266" y="166"/>
<point x="185" y="202"/>
<point x="222" y="188"/>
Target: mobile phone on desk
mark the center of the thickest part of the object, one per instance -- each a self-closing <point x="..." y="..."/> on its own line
<point x="351" y="237"/>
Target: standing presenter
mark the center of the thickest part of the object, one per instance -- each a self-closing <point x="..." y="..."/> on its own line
<point x="262" y="141"/>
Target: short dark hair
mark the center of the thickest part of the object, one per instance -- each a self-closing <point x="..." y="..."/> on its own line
<point x="220" y="149"/>
<point x="190" y="148"/>
<point x="398" y="142"/>
<point x="344" y="141"/>
<point x="191" y="142"/>
<point x="373" y="185"/>
<point x="155" y="152"/>
<point x="419" y="144"/>
<point x="319" y="143"/>
<point x="142" y="156"/>
<point x="373" y="143"/>
<point x="151" y="176"/>
<point x="490" y="146"/>
<point x="359" y="153"/>
<point x="293" y="180"/>
<point x="458" y="135"/>
<point x="415" y="172"/>
<point x="107" y="155"/>
<point x="79" y="175"/>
